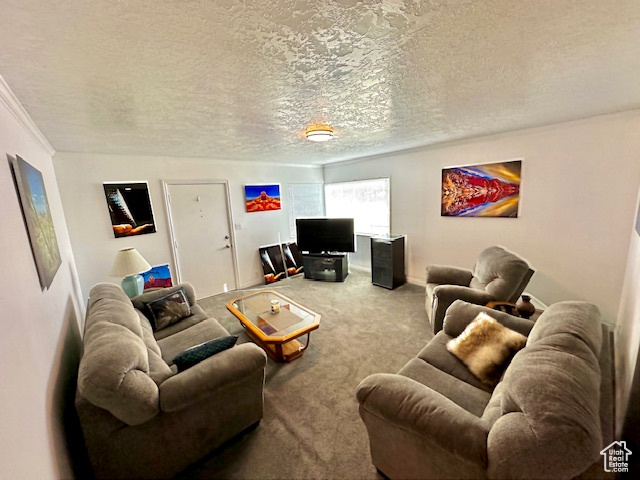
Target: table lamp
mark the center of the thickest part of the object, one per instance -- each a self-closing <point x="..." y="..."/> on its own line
<point x="129" y="264"/>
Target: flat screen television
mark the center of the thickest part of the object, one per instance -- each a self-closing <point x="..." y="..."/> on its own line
<point x="318" y="235"/>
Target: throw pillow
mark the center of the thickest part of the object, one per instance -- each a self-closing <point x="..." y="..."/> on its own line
<point x="169" y="309"/>
<point x="486" y="347"/>
<point x="192" y="356"/>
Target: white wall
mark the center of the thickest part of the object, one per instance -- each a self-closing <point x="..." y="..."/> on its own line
<point x="39" y="344"/>
<point x="578" y="191"/>
<point x="80" y="178"/>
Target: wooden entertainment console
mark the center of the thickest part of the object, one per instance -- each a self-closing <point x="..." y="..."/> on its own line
<point x="326" y="267"/>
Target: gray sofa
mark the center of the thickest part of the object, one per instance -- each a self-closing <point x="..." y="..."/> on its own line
<point x="434" y="419"/>
<point x="498" y="275"/>
<point x="140" y="417"/>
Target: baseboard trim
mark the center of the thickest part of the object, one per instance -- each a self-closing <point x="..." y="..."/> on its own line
<point x="412" y="280"/>
<point x="255" y="282"/>
<point x="259" y="281"/>
<point x="359" y="268"/>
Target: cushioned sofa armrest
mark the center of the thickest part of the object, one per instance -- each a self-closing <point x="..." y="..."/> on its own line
<point x="460" y="314"/>
<point x="412" y="406"/>
<point x="450" y="293"/>
<point x="445" y="295"/>
<point x="445" y="274"/>
<point x="209" y="376"/>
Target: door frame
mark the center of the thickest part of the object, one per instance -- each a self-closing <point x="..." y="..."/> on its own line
<point x="172" y="238"/>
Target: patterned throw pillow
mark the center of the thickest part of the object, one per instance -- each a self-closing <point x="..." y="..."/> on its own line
<point x="486" y="347"/>
<point x="169" y="309"/>
<point x="192" y="356"/>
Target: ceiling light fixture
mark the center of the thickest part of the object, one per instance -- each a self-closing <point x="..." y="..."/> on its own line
<point x="319" y="133"/>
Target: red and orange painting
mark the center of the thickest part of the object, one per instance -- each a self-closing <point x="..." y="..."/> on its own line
<point x="260" y="198"/>
<point x="158" y="277"/>
<point x="488" y="190"/>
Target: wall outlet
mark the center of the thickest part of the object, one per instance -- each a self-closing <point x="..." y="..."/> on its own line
<point x="237" y="226"/>
<point x="225" y="287"/>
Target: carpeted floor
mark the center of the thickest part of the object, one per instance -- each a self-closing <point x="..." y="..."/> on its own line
<point x="311" y="427"/>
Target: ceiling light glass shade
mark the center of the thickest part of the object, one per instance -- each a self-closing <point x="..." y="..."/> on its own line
<point x="319" y="133"/>
<point x="128" y="264"/>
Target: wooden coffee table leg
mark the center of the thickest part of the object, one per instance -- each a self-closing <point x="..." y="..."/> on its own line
<point x="306" y="344"/>
<point x="294" y="349"/>
<point x="278" y="352"/>
<point x="283" y="352"/>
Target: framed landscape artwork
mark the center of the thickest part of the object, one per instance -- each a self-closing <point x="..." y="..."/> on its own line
<point x="158" y="276"/>
<point x="260" y="198"/>
<point x="129" y="208"/>
<point x="487" y="190"/>
<point x="37" y="216"/>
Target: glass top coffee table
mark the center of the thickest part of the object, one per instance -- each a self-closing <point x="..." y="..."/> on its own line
<point x="275" y="332"/>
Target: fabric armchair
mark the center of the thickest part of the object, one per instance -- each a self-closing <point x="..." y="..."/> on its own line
<point x="546" y="418"/>
<point x="498" y="275"/>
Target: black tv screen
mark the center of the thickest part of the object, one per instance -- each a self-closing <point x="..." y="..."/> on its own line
<point x="317" y="235"/>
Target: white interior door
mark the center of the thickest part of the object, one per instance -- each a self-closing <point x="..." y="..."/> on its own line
<point x="202" y="236"/>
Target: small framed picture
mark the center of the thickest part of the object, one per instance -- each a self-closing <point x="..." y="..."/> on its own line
<point x="158" y="277"/>
<point x="262" y="197"/>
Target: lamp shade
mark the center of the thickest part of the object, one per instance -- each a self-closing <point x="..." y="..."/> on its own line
<point x="129" y="262"/>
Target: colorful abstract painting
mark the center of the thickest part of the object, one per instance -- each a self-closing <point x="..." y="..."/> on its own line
<point x="487" y="190"/>
<point x="37" y="216"/>
<point x="129" y="208"/>
<point x="260" y="198"/>
<point x="158" y="277"/>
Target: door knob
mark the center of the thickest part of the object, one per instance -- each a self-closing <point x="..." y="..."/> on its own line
<point x="227" y="246"/>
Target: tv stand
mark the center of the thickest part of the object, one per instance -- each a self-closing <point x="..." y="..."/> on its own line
<point x="327" y="267"/>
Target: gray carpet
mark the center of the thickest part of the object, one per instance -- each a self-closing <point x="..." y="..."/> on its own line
<point x="311" y="427"/>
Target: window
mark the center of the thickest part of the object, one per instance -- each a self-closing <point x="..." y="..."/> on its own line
<point x="367" y="201"/>
<point x="305" y="200"/>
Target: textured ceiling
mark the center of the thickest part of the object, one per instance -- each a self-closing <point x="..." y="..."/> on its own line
<point x="240" y="80"/>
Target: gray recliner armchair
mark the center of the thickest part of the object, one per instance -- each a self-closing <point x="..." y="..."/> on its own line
<point x="435" y="419"/>
<point x="498" y="275"/>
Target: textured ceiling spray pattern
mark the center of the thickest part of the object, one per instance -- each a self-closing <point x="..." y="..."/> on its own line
<point x="240" y="80"/>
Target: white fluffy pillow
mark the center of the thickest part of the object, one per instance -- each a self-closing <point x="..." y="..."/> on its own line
<point x="486" y="347"/>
